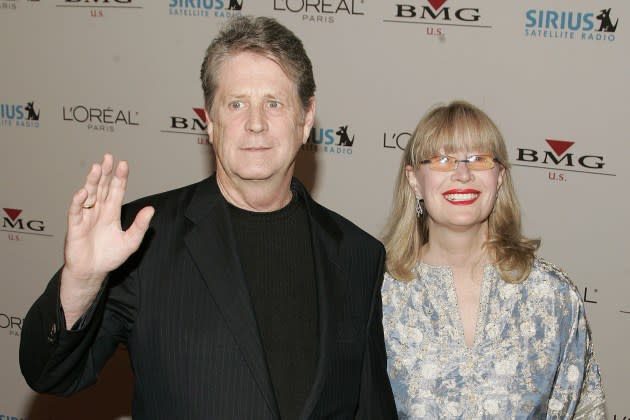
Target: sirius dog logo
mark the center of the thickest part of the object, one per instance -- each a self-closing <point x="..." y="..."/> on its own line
<point x="344" y="140"/>
<point x="571" y="25"/>
<point x="330" y="140"/>
<point x="19" y="115"/>
<point x="194" y="124"/>
<point x="31" y="113"/>
<point x="235" y="5"/>
<point x="437" y="16"/>
<point x="558" y="158"/>
<point x="205" y="8"/>
<point x="606" y="24"/>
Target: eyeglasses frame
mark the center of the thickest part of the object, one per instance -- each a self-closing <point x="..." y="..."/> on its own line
<point x="458" y="161"/>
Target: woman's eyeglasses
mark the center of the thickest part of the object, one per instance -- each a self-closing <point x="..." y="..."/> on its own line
<point x="450" y="163"/>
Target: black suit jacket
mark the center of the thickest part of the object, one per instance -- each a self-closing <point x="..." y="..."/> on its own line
<point x="181" y="306"/>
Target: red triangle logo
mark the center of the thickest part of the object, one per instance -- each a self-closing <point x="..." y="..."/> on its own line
<point x="12" y="213"/>
<point x="559" y="146"/>
<point x="201" y="113"/>
<point x="436" y="4"/>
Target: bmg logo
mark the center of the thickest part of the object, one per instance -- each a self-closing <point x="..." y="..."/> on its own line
<point x="559" y="147"/>
<point x="557" y="158"/>
<point x="13" y="221"/>
<point x="16" y="226"/>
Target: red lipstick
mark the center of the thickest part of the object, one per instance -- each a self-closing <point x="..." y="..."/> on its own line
<point x="461" y="197"/>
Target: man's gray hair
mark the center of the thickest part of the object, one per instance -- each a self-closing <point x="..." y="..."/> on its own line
<point x="264" y="36"/>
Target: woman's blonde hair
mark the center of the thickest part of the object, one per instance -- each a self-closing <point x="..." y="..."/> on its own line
<point x="458" y="126"/>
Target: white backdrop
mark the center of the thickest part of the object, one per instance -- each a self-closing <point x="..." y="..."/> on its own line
<point x="122" y="76"/>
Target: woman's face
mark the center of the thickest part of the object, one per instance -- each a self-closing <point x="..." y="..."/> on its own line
<point x="459" y="199"/>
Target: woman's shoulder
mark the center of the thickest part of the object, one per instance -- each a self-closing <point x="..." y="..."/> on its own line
<point x="545" y="270"/>
<point x="393" y="283"/>
<point x="390" y="284"/>
<point x="546" y="274"/>
<point x="394" y="290"/>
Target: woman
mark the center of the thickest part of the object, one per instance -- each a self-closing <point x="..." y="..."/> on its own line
<point x="476" y="325"/>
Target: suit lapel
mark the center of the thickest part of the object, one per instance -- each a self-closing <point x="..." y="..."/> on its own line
<point x="210" y="242"/>
<point x="325" y="242"/>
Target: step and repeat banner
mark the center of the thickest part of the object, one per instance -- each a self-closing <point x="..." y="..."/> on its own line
<point x="83" y="77"/>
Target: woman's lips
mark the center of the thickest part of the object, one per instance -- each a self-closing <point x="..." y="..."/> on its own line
<point x="461" y="197"/>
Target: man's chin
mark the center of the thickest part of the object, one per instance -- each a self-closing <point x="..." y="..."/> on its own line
<point x="257" y="176"/>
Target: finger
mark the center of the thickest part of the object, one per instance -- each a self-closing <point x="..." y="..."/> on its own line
<point x="118" y="186"/>
<point x="106" y="171"/>
<point x="139" y="227"/>
<point x="75" y="211"/>
<point x="91" y="183"/>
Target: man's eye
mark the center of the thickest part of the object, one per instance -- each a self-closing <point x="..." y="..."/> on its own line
<point x="236" y="105"/>
<point x="274" y="104"/>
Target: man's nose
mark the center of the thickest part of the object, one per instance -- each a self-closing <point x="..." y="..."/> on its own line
<point x="256" y="119"/>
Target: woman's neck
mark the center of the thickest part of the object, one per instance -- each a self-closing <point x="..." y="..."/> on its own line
<point x="459" y="250"/>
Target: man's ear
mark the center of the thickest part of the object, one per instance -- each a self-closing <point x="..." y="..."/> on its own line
<point x="309" y="119"/>
<point x="210" y="126"/>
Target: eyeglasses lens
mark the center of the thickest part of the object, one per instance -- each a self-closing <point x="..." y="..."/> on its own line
<point x="449" y="163"/>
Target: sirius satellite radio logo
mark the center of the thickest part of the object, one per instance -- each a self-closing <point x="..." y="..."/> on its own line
<point x="337" y="141"/>
<point x="437" y="16"/>
<point x="320" y="11"/>
<point x="7" y="5"/>
<point x="560" y="159"/>
<point x="598" y="26"/>
<point x="19" y="115"/>
<point x="205" y="8"/>
<point x="194" y="123"/>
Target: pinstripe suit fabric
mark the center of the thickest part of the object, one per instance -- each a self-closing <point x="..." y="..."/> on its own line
<point x="181" y="306"/>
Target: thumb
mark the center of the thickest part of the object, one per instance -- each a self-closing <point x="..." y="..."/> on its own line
<point x="139" y="227"/>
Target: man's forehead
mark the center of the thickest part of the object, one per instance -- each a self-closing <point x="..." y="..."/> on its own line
<point x="251" y="60"/>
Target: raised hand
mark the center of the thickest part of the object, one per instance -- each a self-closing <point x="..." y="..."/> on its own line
<point x="95" y="242"/>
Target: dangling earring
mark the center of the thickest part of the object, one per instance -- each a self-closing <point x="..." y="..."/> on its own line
<point x="419" y="207"/>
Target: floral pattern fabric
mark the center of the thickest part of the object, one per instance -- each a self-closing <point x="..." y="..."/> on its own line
<point x="532" y="355"/>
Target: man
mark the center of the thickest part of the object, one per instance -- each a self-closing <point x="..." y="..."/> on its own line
<point x="245" y="299"/>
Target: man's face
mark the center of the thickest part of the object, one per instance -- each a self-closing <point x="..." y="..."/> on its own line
<point x="256" y="123"/>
